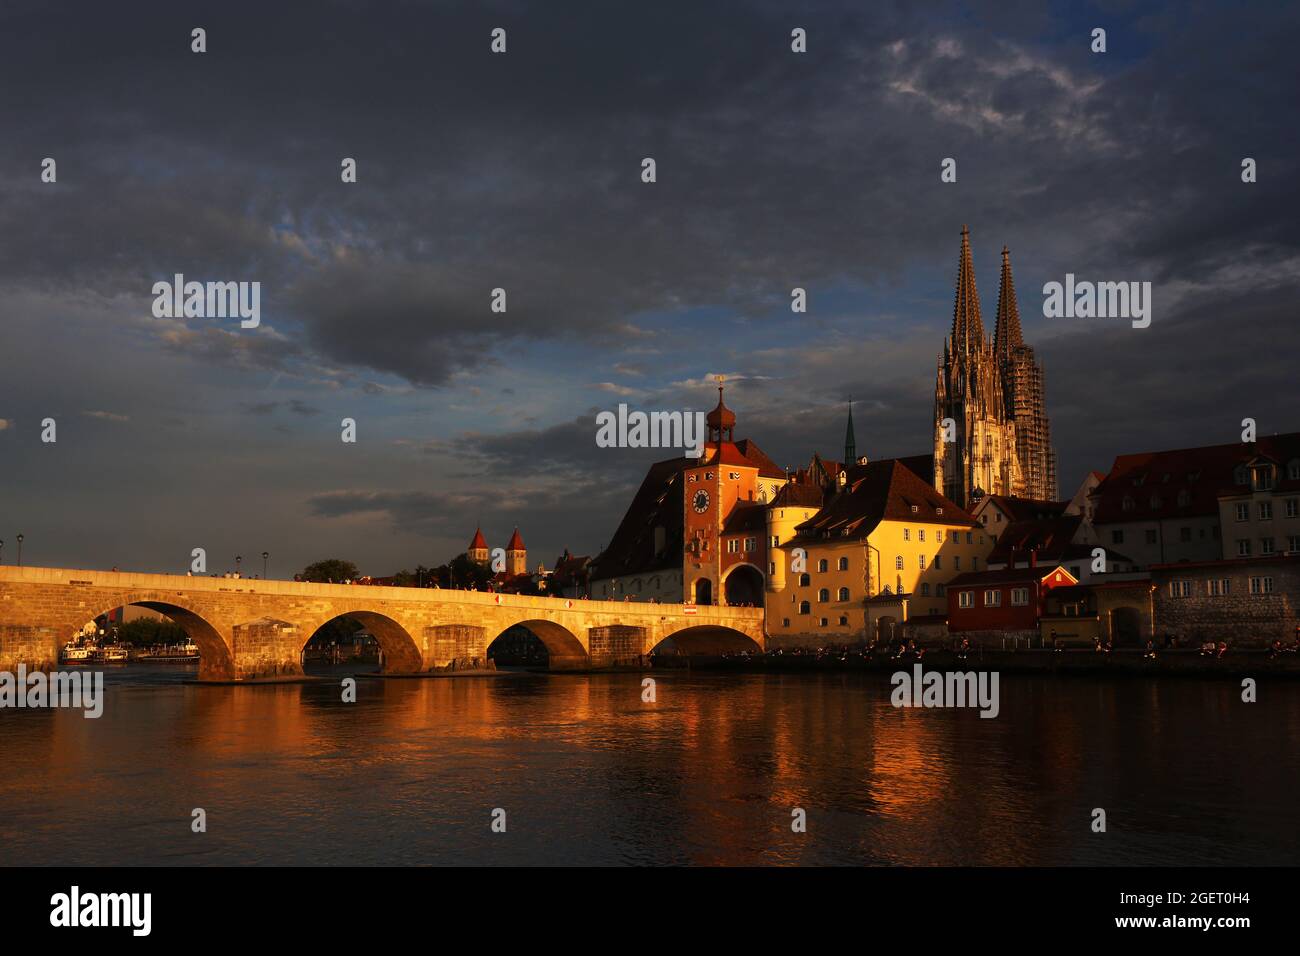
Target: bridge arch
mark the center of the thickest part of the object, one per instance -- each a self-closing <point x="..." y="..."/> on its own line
<point x="711" y="640"/>
<point x="565" y="650"/>
<point x="216" y="660"/>
<point x="401" y="652"/>
<point x="742" y="585"/>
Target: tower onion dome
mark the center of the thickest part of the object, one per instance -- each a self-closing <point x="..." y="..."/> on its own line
<point x="721" y="417"/>
<point x="479" y="543"/>
<point x="516" y="542"/>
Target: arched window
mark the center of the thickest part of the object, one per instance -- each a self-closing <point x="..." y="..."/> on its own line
<point x="844" y="564"/>
<point x="898" y="563"/>
<point x="822" y="566"/>
<point x="805" y="580"/>
<point x="805" y="607"/>
<point x="844" y="594"/>
<point x="824" y="595"/>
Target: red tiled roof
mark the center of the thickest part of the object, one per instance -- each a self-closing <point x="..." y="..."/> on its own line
<point x="657" y="503"/>
<point x="1187" y="482"/>
<point x="516" y="542"/>
<point x="479" y="543"/>
<point x="745" y="516"/>
<point x="878" y="491"/>
<point x="1007" y="576"/>
<point x="1027" y="509"/>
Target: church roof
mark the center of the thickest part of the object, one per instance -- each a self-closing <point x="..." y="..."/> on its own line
<point x="479" y="543"/>
<point x="516" y="542"/>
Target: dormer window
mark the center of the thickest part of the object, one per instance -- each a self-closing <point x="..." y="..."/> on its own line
<point x="915" y="509"/>
<point x="1239" y="476"/>
<point x="938" y="511"/>
<point x="1263" y="477"/>
<point x="1184" y="498"/>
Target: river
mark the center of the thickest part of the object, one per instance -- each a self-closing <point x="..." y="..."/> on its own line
<point x="709" y="773"/>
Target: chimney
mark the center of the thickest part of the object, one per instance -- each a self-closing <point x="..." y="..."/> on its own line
<point x="1033" y="557"/>
<point x="1011" y="560"/>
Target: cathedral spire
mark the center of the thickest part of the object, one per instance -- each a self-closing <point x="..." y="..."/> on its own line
<point x="850" y="445"/>
<point x="967" y="327"/>
<point x="1006" y="332"/>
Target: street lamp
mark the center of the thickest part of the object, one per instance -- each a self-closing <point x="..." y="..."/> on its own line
<point x="20" y="551"/>
<point x="265" y="555"/>
<point x="238" y="560"/>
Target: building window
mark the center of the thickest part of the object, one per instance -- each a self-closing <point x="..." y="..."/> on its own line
<point x="1074" y="570"/>
<point x="1266" y="546"/>
<point x="1117" y="537"/>
<point x="844" y="621"/>
<point x="1151" y="536"/>
<point x="970" y="537"/>
<point x="1292" y="507"/>
<point x="965" y="598"/>
<point x="938" y="535"/>
<point x="844" y="594"/>
<point x="1184" y="498"/>
<point x="1243" y="511"/>
<point x="822" y="566"/>
<point x="1243" y="547"/>
<point x="785" y="622"/>
<point x="1019" y="597"/>
<point x="1264" y="478"/>
<point x="1293" y="543"/>
<point x="940" y="590"/>
<point x="733" y="545"/>
<point x="1129" y="503"/>
<point x="956" y="562"/>
<point x="898" y="563"/>
<point x="1239" y="475"/>
<point x="992" y="598"/>
<point x="938" y="562"/>
<point x="805" y="579"/>
<point x="1184" y="534"/>
<point x="1180" y="589"/>
<point x="1266" y="511"/>
<point x="1156" y="502"/>
<point x="824" y="622"/>
<point x="751" y="544"/>
<point x="1293" y="469"/>
<point x="776" y="541"/>
<point x="907" y="534"/>
<point x="824" y="595"/>
<point x="1217" y="587"/>
<point x="925" y="589"/>
<point x="805" y="607"/>
<point x="844" y="564"/>
<point x="771" y="567"/>
<point x="921" y="561"/>
<point x="1262" y="585"/>
<point x="920" y="534"/>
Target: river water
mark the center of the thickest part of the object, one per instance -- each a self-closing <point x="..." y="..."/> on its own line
<point x="588" y="773"/>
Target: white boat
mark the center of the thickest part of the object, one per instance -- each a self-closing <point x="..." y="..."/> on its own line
<point x="74" y="653"/>
<point x="110" y="654"/>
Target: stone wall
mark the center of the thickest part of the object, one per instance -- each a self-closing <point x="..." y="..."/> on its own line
<point x="616" y="644"/>
<point x="1239" y="617"/>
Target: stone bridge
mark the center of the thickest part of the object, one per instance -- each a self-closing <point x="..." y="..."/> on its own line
<point x="247" y="629"/>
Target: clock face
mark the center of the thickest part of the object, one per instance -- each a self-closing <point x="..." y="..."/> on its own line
<point x="701" y="501"/>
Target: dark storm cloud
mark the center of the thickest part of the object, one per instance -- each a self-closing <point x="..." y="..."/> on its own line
<point x="521" y="172"/>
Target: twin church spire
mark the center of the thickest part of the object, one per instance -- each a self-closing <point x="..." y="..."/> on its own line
<point x="992" y="434"/>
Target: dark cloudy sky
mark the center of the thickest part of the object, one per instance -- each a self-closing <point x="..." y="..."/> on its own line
<point x="522" y="171"/>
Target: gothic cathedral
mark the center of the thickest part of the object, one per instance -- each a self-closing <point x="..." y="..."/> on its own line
<point x="991" y="433"/>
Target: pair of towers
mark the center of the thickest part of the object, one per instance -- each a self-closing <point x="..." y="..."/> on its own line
<point x="516" y="553"/>
<point x="991" y="431"/>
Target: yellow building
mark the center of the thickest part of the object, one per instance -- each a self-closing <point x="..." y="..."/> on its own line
<point x="877" y="553"/>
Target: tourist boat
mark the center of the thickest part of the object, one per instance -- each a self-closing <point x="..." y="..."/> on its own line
<point x="179" y="654"/>
<point x="110" y="654"/>
<point x="74" y="653"/>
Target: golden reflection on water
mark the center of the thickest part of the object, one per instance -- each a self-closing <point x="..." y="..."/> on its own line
<point x="707" y="773"/>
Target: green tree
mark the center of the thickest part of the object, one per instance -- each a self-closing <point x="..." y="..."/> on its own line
<point x="147" y="631"/>
<point x="330" y="570"/>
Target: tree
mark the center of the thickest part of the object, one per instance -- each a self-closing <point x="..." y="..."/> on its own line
<point x="145" y="632"/>
<point x="330" y="570"/>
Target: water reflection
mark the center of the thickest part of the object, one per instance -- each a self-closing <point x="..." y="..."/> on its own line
<point x="707" y="774"/>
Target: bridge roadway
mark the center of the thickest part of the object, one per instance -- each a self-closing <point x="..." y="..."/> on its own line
<point x="247" y="629"/>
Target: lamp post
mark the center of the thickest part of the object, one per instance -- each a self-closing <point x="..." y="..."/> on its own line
<point x="20" y="551"/>
<point x="238" y="561"/>
<point x="265" y="555"/>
